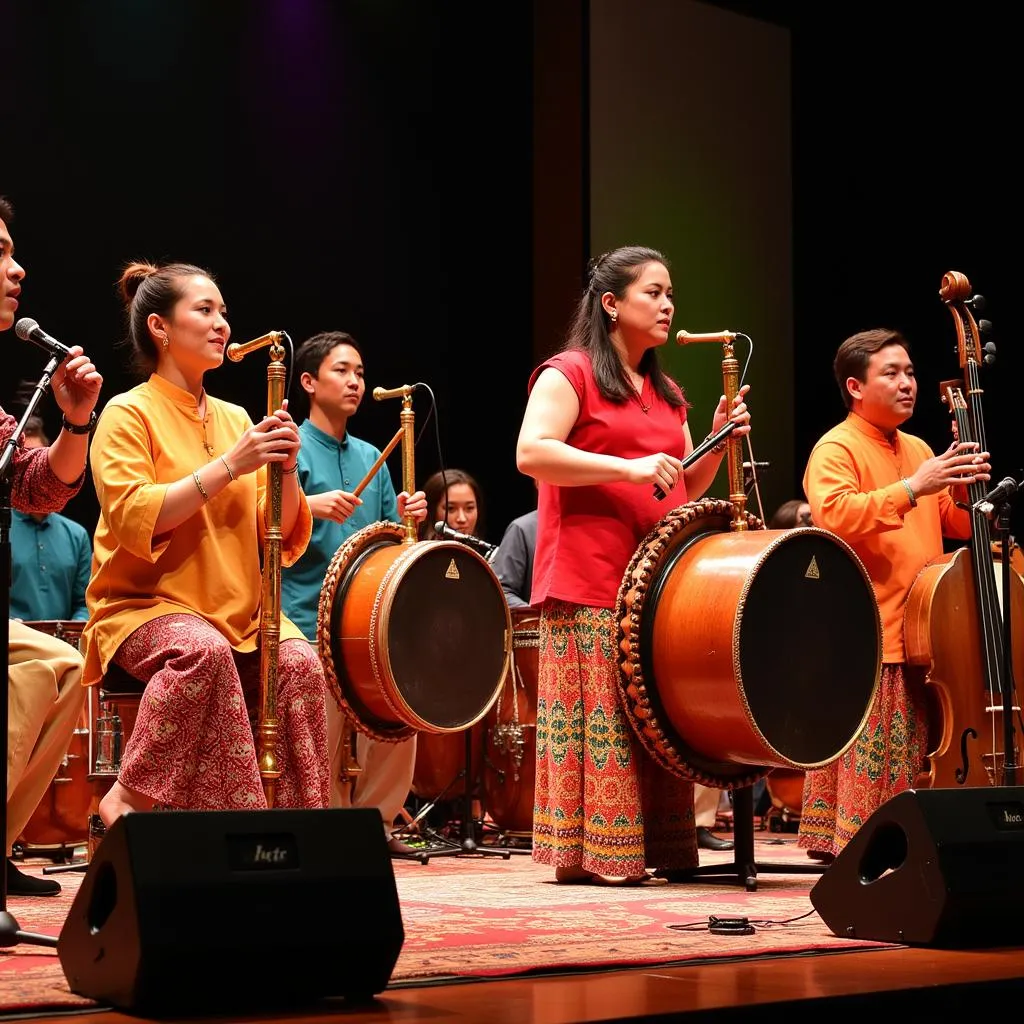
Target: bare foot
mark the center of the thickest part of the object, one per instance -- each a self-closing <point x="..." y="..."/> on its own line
<point x="121" y="800"/>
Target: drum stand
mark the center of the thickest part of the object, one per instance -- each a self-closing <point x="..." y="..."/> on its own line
<point x="467" y="846"/>
<point x="11" y="933"/>
<point x="744" y="868"/>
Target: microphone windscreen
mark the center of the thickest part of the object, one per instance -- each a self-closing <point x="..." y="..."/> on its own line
<point x="24" y="328"/>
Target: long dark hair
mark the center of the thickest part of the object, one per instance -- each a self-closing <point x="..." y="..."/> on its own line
<point x="614" y="272"/>
<point x="436" y="488"/>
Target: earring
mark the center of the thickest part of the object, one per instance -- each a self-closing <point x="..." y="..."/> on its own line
<point x="166" y="341"/>
<point x="614" y="314"/>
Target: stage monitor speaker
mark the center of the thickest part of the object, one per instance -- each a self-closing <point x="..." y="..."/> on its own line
<point x="932" y="867"/>
<point x="198" y="911"/>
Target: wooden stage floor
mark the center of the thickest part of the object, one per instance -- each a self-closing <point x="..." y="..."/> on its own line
<point x="899" y="980"/>
<point x="892" y="979"/>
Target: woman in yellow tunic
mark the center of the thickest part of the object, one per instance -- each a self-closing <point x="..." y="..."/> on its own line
<point x="174" y="598"/>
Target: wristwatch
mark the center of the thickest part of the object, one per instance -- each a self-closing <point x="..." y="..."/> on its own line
<point x="85" y="428"/>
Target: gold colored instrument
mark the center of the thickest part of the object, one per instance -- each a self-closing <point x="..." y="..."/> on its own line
<point x="270" y="600"/>
<point x="734" y="445"/>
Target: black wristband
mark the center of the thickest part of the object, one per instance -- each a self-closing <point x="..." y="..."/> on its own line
<point x="85" y="428"/>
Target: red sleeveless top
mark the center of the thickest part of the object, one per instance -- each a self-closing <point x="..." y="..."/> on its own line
<point x="587" y="535"/>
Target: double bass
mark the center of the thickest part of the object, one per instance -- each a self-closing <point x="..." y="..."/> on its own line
<point x="953" y="619"/>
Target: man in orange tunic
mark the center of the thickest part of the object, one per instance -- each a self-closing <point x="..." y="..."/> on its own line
<point x="889" y="497"/>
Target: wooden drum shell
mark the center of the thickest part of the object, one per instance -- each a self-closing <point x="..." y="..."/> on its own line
<point x="414" y="637"/>
<point x="743" y="651"/>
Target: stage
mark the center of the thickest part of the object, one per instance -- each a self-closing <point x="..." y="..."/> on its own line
<point x="494" y="939"/>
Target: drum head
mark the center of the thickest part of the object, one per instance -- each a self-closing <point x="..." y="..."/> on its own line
<point x="808" y="655"/>
<point x="748" y="650"/>
<point x="448" y="635"/>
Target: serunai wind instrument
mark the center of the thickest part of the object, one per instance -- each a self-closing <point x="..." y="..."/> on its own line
<point x="270" y="601"/>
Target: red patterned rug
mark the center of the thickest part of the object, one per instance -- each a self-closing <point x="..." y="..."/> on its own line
<point x="486" y="917"/>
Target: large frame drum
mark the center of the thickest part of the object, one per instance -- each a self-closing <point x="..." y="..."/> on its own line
<point x="413" y="637"/>
<point x="747" y="650"/>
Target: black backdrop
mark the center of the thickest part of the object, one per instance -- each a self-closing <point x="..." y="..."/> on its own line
<point x="367" y="166"/>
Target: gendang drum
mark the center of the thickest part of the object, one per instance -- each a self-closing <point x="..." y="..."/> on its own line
<point x="745" y="650"/>
<point x="414" y="636"/>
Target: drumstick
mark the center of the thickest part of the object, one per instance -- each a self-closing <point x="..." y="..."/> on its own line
<point x="380" y="462"/>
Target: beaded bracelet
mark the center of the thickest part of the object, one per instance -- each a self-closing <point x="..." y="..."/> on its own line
<point x="910" y="492"/>
<point x="231" y="475"/>
<point x="199" y="484"/>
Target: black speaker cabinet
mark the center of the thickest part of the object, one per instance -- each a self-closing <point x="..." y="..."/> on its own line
<point x="197" y="911"/>
<point x="932" y="867"/>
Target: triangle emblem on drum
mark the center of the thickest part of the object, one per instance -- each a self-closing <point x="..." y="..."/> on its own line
<point x="452" y="572"/>
<point x="813" y="573"/>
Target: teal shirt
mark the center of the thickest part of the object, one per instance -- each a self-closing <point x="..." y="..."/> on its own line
<point x="51" y="562"/>
<point x="326" y="464"/>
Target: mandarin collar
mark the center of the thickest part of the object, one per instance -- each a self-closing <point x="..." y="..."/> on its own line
<point x="179" y="396"/>
<point x="868" y="429"/>
<point x="322" y="437"/>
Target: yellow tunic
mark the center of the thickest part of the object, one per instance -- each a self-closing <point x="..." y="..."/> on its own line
<point x="210" y="565"/>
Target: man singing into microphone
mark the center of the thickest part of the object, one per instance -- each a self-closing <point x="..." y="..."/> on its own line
<point x="331" y="465"/>
<point x="44" y="691"/>
<point x="892" y="500"/>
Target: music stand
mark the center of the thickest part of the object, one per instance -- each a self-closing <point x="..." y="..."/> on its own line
<point x="11" y="933"/>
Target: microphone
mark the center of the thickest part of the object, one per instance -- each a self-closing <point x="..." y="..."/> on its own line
<point x="28" y="330"/>
<point x="444" y="530"/>
<point x="380" y="394"/>
<point x="686" y="338"/>
<point x="1006" y="488"/>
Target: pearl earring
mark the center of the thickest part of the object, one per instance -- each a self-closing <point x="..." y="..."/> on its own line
<point x="614" y="314"/>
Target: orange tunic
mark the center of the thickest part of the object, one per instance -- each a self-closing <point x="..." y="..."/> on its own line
<point x="853" y="484"/>
<point x="210" y="565"/>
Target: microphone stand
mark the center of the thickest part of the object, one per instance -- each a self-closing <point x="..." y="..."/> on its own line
<point x="1001" y="518"/>
<point x="11" y="933"/>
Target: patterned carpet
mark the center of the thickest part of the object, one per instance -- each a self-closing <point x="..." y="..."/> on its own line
<point x="480" y="917"/>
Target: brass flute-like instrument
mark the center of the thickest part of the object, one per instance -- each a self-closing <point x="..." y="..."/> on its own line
<point x="734" y="445"/>
<point x="270" y="600"/>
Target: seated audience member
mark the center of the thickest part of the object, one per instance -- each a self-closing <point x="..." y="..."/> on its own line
<point x="51" y="557"/>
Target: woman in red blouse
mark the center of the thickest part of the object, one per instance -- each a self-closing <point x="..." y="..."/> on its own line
<point x="603" y="426"/>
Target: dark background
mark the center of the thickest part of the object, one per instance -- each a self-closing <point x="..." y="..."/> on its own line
<point x="373" y="166"/>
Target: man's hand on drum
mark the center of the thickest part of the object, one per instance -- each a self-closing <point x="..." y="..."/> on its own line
<point x="414" y="505"/>
<point x="336" y="505"/>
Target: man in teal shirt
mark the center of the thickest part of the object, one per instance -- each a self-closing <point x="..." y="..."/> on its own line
<point x="51" y="557"/>
<point x="331" y="465"/>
